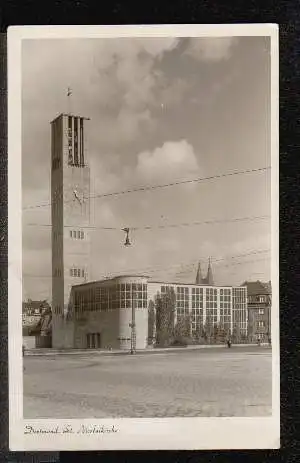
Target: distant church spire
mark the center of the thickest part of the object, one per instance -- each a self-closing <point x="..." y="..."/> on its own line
<point x="209" y="278"/>
<point x="199" y="280"/>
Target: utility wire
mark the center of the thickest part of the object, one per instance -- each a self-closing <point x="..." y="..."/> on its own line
<point x="166" y="185"/>
<point x="178" y="225"/>
<point x="229" y="265"/>
<point x="193" y="262"/>
<point x="150" y="269"/>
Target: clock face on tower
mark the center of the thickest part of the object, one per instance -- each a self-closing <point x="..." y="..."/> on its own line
<point x="78" y="195"/>
<point x="78" y="202"/>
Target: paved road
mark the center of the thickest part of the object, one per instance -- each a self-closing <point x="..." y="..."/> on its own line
<point x="206" y="382"/>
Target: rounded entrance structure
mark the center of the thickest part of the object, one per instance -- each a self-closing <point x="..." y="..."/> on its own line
<point x="131" y="292"/>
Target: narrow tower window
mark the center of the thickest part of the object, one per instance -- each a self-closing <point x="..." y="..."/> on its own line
<point x="81" y="143"/>
<point x="70" y="148"/>
<point x="76" y="161"/>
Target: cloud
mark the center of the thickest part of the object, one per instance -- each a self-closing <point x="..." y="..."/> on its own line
<point x="171" y="160"/>
<point x="157" y="46"/>
<point x="106" y="74"/>
<point x="129" y="123"/>
<point x="211" y="48"/>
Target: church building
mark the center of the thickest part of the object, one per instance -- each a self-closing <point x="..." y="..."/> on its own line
<point x="112" y="313"/>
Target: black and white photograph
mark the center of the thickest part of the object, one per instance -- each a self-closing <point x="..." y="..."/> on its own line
<point x="143" y="246"/>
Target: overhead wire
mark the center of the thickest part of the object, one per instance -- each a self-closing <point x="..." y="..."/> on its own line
<point x="157" y="269"/>
<point x="154" y="187"/>
<point x="156" y="227"/>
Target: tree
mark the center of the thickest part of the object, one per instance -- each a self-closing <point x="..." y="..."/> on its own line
<point x="208" y="330"/>
<point x="183" y="328"/>
<point x="165" y="316"/>
<point x="219" y="333"/>
<point x="236" y="334"/>
<point x="199" y="334"/>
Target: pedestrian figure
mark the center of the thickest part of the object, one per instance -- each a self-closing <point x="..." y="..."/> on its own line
<point x="228" y="343"/>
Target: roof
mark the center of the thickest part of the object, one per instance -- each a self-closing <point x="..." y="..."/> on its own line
<point x="69" y="114"/>
<point x="199" y="278"/>
<point x="161" y="282"/>
<point x="108" y="279"/>
<point x="179" y="283"/>
<point x="255" y="288"/>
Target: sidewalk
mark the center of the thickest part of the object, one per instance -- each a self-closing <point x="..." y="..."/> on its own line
<point x="49" y="351"/>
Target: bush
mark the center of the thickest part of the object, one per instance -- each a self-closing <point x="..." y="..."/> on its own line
<point x="182" y="341"/>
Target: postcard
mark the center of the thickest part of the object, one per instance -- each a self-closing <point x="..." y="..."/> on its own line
<point x="143" y="237"/>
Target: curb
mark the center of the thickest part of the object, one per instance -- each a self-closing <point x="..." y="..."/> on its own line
<point x="74" y="352"/>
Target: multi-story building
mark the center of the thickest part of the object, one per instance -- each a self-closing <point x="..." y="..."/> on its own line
<point x="259" y="300"/>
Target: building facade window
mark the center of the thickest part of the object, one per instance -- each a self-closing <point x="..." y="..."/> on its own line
<point x="77" y="234"/>
<point x="261" y="311"/>
<point x="211" y="298"/>
<point x="225" y="298"/>
<point x="197" y="310"/>
<point x="182" y="302"/>
<point x="225" y="308"/>
<point x="104" y="298"/>
<point x="77" y="272"/>
<point x="197" y="298"/>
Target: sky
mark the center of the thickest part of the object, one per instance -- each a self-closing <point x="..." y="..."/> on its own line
<point x="161" y="110"/>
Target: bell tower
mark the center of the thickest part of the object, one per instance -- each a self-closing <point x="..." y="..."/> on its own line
<point x="70" y="213"/>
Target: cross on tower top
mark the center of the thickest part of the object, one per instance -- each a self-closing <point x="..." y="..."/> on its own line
<point x="69" y="94"/>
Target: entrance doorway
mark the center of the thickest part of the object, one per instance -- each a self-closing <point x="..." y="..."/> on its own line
<point x="93" y="340"/>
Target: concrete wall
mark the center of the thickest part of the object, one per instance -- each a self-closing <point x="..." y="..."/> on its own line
<point x="43" y="342"/>
<point x="62" y="333"/>
<point x="141" y="329"/>
<point x="29" y="342"/>
<point x="113" y="327"/>
<point x="105" y="323"/>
